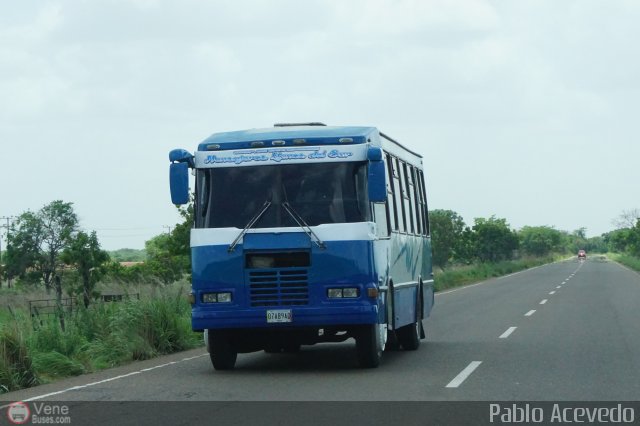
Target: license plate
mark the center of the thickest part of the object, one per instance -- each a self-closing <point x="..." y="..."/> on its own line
<point x="283" y="315"/>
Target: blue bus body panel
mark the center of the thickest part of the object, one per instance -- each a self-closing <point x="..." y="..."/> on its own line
<point x="340" y="264"/>
<point x="405" y="262"/>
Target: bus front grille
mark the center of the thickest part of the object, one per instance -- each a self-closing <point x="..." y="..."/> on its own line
<point x="279" y="287"/>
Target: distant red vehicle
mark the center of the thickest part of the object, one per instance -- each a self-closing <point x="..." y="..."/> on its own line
<point x="582" y="255"/>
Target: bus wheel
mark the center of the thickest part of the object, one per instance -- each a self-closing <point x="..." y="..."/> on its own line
<point x="368" y="346"/>
<point x="409" y="336"/>
<point x="223" y="355"/>
<point x="392" y="341"/>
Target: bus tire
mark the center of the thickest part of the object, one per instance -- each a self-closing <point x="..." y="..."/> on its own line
<point x="368" y="346"/>
<point x="409" y="335"/>
<point x="392" y="342"/>
<point x="223" y="355"/>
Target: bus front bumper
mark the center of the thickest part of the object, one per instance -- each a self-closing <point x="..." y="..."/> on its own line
<point x="301" y="316"/>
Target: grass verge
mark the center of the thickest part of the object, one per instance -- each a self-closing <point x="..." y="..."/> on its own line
<point x="626" y="260"/>
<point x="34" y="351"/>
<point x="463" y="275"/>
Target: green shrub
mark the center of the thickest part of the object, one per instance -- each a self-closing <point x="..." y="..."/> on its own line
<point x="627" y="260"/>
<point x="16" y="367"/>
<point x="54" y="364"/>
<point x="49" y="337"/>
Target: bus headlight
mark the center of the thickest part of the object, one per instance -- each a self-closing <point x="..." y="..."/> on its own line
<point x="334" y="293"/>
<point x="350" y="292"/>
<point x="340" y="293"/>
<point x="224" y="297"/>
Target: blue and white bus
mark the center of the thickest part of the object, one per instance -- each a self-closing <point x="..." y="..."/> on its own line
<point x="306" y="233"/>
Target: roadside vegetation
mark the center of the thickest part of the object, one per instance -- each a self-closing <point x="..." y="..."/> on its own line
<point x="627" y="260"/>
<point x="101" y="313"/>
<point x="624" y="242"/>
<point x="131" y="305"/>
<point x="464" y="254"/>
<point x="36" y="350"/>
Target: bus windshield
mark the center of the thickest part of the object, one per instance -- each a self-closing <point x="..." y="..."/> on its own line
<point x="319" y="193"/>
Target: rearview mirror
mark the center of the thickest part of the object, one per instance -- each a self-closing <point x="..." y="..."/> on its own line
<point x="179" y="183"/>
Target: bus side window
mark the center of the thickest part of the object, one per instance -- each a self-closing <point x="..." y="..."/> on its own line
<point x="408" y="199"/>
<point x="398" y="188"/>
<point x="425" y="208"/>
<point x="417" y="200"/>
<point x="391" y="197"/>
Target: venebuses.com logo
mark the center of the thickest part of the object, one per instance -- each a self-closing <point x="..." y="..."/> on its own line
<point x="18" y="413"/>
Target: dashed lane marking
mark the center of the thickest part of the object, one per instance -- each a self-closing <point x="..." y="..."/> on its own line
<point x="508" y="332"/>
<point x="464" y="374"/>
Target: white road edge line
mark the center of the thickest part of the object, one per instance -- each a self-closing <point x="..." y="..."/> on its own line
<point x="457" y="381"/>
<point x="531" y="312"/>
<point x="508" y="332"/>
<point x="105" y="380"/>
<point x="543" y="301"/>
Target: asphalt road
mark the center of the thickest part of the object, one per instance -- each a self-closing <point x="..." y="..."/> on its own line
<point x="562" y="332"/>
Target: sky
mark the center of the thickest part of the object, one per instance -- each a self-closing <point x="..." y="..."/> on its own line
<point x="526" y="110"/>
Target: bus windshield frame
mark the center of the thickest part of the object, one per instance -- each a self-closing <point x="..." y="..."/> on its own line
<point x="320" y="193"/>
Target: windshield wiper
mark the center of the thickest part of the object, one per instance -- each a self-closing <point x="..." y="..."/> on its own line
<point x="302" y="224"/>
<point x="252" y="222"/>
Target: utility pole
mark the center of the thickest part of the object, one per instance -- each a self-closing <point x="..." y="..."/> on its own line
<point x="7" y="218"/>
<point x="168" y="228"/>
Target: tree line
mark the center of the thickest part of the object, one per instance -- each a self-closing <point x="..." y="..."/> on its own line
<point x="47" y="248"/>
<point x="492" y="240"/>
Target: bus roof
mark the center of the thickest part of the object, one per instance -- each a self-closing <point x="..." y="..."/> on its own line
<point x="313" y="135"/>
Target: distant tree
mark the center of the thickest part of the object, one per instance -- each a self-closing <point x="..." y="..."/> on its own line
<point x="161" y="262"/>
<point x="540" y="240"/>
<point x="24" y="250"/>
<point x="84" y="252"/>
<point x="581" y="233"/>
<point x="128" y="255"/>
<point x="493" y="239"/>
<point x="618" y="240"/>
<point x="627" y="219"/>
<point x="447" y="229"/>
<point x="633" y="246"/>
<point x="179" y="244"/>
<point x="465" y="251"/>
<point x="578" y="240"/>
<point x="596" y="244"/>
<point x="36" y="242"/>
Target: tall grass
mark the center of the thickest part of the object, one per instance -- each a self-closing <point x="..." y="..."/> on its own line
<point x="105" y="335"/>
<point x="16" y="367"/>
<point x="462" y="275"/>
<point x="626" y="259"/>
